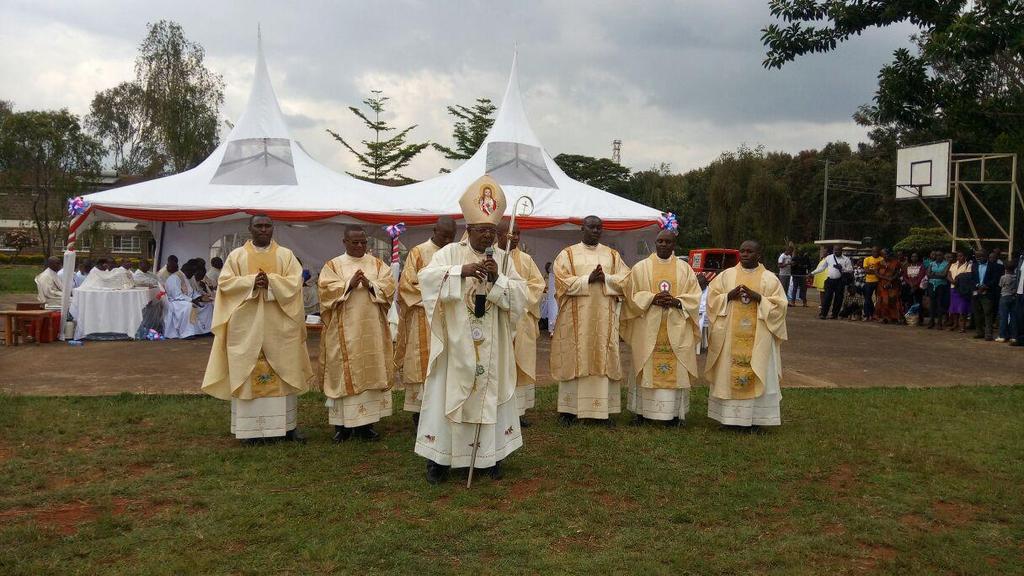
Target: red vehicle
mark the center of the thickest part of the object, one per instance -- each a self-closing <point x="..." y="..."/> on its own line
<point x="708" y="262"/>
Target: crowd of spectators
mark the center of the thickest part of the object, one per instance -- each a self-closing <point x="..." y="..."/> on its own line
<point x="981" y="291"/>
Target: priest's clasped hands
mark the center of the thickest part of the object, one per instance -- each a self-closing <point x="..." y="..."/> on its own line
<point x="486" y="270"/>
<point x="666" y="300"/>
<point x="261" y="280"/>
<point x="743" y="290"/>
<point x="597" y="275"/>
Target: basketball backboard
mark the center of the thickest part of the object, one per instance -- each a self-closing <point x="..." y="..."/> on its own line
<point x="923" y="171"/>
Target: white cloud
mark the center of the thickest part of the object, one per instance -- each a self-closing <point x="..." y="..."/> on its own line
<point x="677" y="82"/>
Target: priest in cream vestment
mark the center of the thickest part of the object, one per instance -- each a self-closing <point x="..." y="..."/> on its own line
<point x="589" y="277"/>
<point x="49" y="287"/>
<point x="473" y="303"/>
<point x="412" y="349"/>
<point x="746" y="306"/>
<point x="356" y="358"/>
<point x="660" y="324"/>
<point x="529" y="324"/>
<point x="259" y="359"/>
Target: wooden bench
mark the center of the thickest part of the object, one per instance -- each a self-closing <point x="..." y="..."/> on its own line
<point x="15" y="321"/>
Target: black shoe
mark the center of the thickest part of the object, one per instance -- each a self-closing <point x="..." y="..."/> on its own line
<point x="367" y="433"/>
<point x="495" y="472"/>
<point x="416" y="419"/>
<point x="253" y="441"/>
<point x="294" y="435"/>
<point x="638" y="420"/>
<point x="821" y="316"/>
<point x="436" y="473"/>
<point x="566" y="419"/>
<point x="341" y="434"/>
<point x="524" y="423"/>
<point x="674" y="423"/>
<point x="609" y="423"/>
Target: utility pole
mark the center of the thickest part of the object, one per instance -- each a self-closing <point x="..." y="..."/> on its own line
<point x="824" y="204"/>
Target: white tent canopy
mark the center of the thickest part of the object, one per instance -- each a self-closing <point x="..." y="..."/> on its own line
<point x="514" y="157"/>
<point x="260" y="168"/>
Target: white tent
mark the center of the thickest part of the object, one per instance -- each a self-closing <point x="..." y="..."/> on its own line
<point x="514" y="156"/>
<point x="258" y="168"/>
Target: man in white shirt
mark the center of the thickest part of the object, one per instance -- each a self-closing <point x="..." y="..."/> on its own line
<point x="786" y="268"/>
<point x="213" y="273"/>
<point x="837" y="264"/>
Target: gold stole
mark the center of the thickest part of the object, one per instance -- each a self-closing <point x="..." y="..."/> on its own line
<point x="743" y="328"/>
<point x="663" y="277"/>
<point x="264" y="380"/>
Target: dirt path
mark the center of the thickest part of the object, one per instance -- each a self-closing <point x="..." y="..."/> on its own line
<point x="820" y="353"/>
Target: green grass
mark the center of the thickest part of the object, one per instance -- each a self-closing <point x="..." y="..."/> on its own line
<point x="891" y="481"/>
<point x="18" y="278"/>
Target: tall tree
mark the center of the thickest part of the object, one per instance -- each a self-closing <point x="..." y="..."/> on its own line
<point x="471" y="127"/>
<point x="965" y="80"/>
<point x="383" y="159"/>
<point x="182" y="96"/>
<point x="48" y="155"/>
<point x="120" y="118"/>
<point x="598" y="172"/>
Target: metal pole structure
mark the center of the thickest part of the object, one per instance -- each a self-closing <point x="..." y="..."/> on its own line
<point x="1013" y="203"/>
<point x="956" y="204"/>
<point x="824" y="204"/>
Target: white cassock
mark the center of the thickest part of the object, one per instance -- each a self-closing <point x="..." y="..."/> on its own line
<point x="79" y="278"/>
<point x="549" y="306"/>
<point x="212" y="275"/>
<point x="202" y="317"/>
<point x="49" y="289"/>
<point x="145" y="279"/>
<point x="471" y="376"/>
<point x="178" y="307"/>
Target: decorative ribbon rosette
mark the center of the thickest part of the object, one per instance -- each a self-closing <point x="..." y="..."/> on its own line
<point x="77" y="206"/>
<point x="668" y="221"/>
<point x="395" y="230"/>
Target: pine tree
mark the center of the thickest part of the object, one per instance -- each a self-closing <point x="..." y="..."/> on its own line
<point x="470" y="130"/>
<point x="383" y="159"/>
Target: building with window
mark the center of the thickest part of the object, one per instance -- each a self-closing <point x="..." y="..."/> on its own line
<point x="109" y="239"/>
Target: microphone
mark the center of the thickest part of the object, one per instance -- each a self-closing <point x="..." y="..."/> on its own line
<point x="480" y="299"/>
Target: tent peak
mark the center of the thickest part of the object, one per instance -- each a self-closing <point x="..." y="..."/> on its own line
<point x="262" y="117"/>
<point x="511" y="124"/>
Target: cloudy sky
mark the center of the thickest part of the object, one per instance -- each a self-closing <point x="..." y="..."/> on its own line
<point x="678" y="82"/>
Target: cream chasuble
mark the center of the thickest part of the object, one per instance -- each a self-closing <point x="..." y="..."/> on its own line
<point x="527" y="330"/>
<point x="356" y="358"/>
<point x="49" y="288"/>
<point x="471" y="376"/>
<point x="744" y="366"/>
<point x="259" y="336"/>
<point x="412" y="349"/>
<point x="662" y="340"/>
<point x="585" y="348"/>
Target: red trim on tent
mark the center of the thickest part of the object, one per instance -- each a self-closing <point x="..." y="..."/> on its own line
<point x="525" y="222"/>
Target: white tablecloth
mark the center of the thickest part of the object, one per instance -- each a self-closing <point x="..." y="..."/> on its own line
<point x="109" y="311"/>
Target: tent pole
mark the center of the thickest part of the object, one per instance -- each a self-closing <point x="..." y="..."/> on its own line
<point x="160" y="246"/>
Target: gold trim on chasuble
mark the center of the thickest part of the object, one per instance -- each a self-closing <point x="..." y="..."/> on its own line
<point x="743" y="382"/>
<point x="264" y="380"/>
<point x="663" y="360"/>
